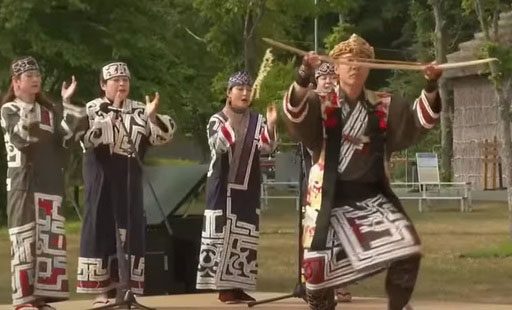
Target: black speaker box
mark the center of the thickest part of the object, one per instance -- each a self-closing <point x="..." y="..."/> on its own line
<point x="171" y="261"/>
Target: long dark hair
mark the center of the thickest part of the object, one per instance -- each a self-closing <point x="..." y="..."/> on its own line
<point x="41" y="98"/>
<point x="101" y="92"/>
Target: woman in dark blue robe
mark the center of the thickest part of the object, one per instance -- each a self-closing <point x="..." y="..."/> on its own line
<point x="236" y="136"/>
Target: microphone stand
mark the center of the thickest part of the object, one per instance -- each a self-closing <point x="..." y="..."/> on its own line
<point x="125" y="267"/>
<point x="299" y="291"/>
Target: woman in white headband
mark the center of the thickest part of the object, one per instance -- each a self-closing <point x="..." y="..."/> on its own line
<point x="35" y="187"/>
<point x="109" y="161"/>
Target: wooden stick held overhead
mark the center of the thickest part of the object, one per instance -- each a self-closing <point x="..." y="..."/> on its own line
<point x="381" y="63"/>
<point x="413" y="66"/>
<point x="294" y="49"/>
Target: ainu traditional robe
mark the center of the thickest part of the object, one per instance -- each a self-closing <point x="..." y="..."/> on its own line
<point x="33" y="138"/>
<point x="107" y="167"/>
<point x="354" y="226"/>
<point x="230" y="234"/>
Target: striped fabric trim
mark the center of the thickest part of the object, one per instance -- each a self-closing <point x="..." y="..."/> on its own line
<point x="227" y="133"/>
<point x="426" y="116"/>
<point x="294" y="114"/>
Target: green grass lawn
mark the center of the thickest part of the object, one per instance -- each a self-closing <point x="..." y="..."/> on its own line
<point x="449" y="270"/>
<point x="466" y="255"/>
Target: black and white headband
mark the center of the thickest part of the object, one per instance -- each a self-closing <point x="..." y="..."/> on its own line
<point x="23" y="65"/>
<point x="324" y="69"/>
<point x="240" y="78"/>
<point x="115" y="69"/>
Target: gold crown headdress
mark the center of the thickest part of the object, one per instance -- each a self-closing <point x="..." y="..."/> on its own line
<point x="356" y="46"/>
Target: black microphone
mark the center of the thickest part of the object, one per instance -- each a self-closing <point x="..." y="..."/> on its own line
<point x="104" y="106"/>
<point x="117" y="111"/>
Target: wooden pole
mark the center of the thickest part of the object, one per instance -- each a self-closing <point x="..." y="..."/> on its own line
<point x="494" y="151"/>
<point x="485" y="164"/>
<point x="500" y="173"/>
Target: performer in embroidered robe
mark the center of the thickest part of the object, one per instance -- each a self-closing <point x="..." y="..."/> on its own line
<point x="108" y="165"/>
<point x="361" y="228"/>
<point x="236" y="136"/>
<point x="325" y="81"/>
<point x="35" y="185"/>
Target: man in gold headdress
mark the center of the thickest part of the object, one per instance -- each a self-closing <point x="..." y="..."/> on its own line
<point x="361" y="228"/>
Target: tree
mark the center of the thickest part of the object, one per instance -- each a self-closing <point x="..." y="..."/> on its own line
<point x="254" y="13"/>
<point x="78" y="37"/>
<point x="236" y="27"/>
<point x="435" y="28"/>
<point x="449" y="23"/>
<point x="501" y="76"/>
<point x="441" y="47"/>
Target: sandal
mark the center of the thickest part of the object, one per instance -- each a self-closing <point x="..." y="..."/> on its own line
<point x="228" y="297"/>
<point x="343" y="295"/>
<point x="243" y="296"/>
<point x="100" y="301"/>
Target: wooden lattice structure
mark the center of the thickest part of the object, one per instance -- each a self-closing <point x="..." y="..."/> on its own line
<point x="491" y="163"/>
<point x="476" y="115"/>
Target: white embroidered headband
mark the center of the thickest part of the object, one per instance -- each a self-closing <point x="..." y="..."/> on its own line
<point x="115" y="69"/>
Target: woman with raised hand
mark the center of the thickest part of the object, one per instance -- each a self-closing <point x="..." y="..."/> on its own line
<point x="35" y="186"/>
<point x="236" y="136"/>
<point x="118" y="133"/>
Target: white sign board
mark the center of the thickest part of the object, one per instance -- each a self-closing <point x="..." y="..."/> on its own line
<point x="287" y="167"/>
<point x="428" y="167"/>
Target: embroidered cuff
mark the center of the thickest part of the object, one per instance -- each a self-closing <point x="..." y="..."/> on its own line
<point x="227" y="134"/>
<point x="297" y="113"/>
<point x="101" y="131"/>
<point x="162" y="132"/>
<point x="426" y="116"/>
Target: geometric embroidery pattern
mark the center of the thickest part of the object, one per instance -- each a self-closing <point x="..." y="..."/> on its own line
<point x="96" y="275"/>
<point x="212" y="239"/>
<point x="374" y="232"/>
<point x="363" y="239"/>
<point x="239" y="268"/>
<point x="51" y="260"/>
<point x="38" y="251"/>
<point x="22" y="262"/>
<point x="227" y="257"/>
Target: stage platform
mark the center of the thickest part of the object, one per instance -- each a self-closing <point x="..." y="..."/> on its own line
<point x="209" y="301"/>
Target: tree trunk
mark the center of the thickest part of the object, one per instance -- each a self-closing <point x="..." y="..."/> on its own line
<point x="254" y="12"/>
<point x="502" y="90"/>
<point x="504" y="108"/>
<point x="447" y="108"/>
<point x="248" y="43"/>
<point x="504" y="99"/>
